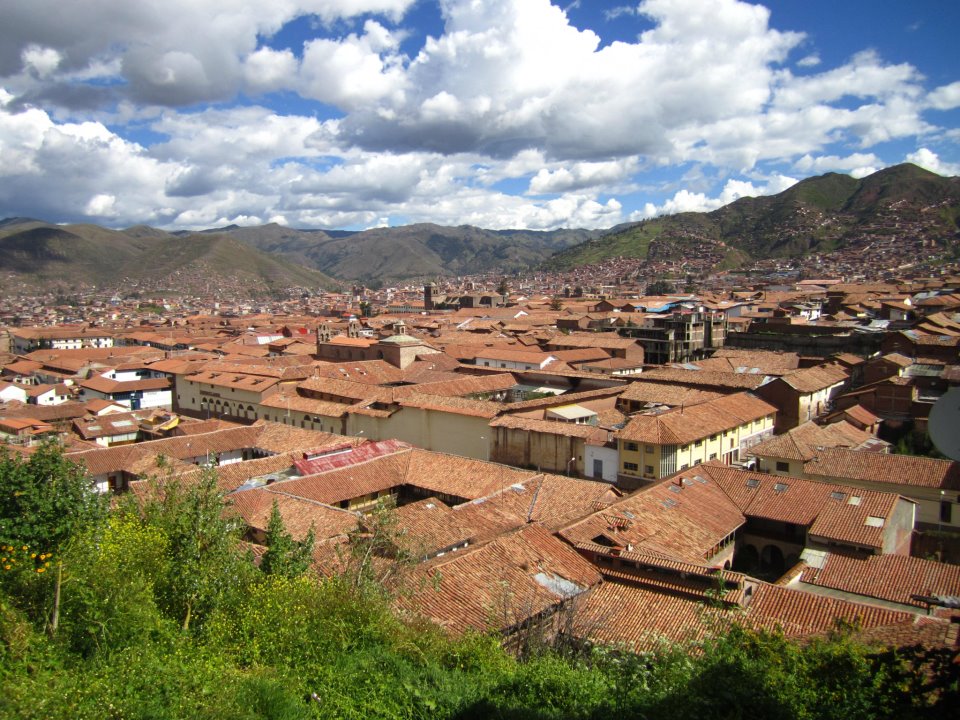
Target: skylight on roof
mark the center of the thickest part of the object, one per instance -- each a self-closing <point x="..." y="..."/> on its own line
<point x="854" y="500"/>
<point x="123" y="423"/>
<point x="874" y="521"/>
<point x="753" y="482"/>
<point x="837" y="495"/>
<point x="780" y="487"/>
<point x="670" y="503"/>
<point x="675" y="488"/>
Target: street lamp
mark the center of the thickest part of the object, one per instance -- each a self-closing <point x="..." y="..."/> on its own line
<point x="569" y="463"/>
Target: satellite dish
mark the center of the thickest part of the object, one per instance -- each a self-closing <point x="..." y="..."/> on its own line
<point x="944" y="423"/>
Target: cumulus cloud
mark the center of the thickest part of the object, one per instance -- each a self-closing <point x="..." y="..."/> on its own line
<point x="858" y="164"/>
<point x="945" y="97"/>
<point x="511" y="116"/>
<point x="168" y="52"/>
<point x="687" y="201"/>
<point x="580" y="176"/>
<point x="929" y="160"/>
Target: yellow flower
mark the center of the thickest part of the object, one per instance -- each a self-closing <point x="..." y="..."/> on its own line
<point x="6" y="567"/>
<point x="40" y="570"/>
<point x="25" y="547"/>
<point x="32" y="555"/>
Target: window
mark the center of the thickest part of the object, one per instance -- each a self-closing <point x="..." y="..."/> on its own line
<point x="648" y="469"/>
<point x="698" y="443"/>
<point x="631" y="446"/>
<point x="783" y="466"/>
<point x="946" y="511"/>
<point x="712" y="438"/>
<point x="632" y="467"/>
<point x="649" y="448"/>
<point x="684" y="466"/>
<point x="713" y="456"/>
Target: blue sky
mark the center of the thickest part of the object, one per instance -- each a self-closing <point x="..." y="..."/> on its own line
<point x="497" y="113"/>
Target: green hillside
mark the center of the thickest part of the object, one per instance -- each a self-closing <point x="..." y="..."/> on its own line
<point x="818" y="214"/>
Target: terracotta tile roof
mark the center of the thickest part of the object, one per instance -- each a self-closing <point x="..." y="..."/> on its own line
<point x="859" y="518"/>
<point x="813" y="379"/>
<point x="234" y="379"/>
<point x="461" y="386"/>
<point x="886" y="577"/>
<point x="553" y="500"/>
<point x="705" y="378"/>
<point x="370" y="372"/>
<point x="430" y="526"/>
<point x="105" y="385"/>
<point x="459" y="476"/>
<point x="269" y="437"/>
<point x="657" y="393"/>
<point x="893" y="470"/>
<point x="456" y="405"/>
<point x="346" y="389"/>
<point x="500" y="584"/>
<point x="803" y="441"/>
<point x="769" y="362"/>
<point x="299" y="515"/>
<point x="565" y="398"/>
<point x="681" y="426"/>
<point x="642" y="617"/>
<point x="606" y="340"/>
<point x="862" y="415"/>
<point x="830" y="512"/>
<point x="685" y="522"/>
<point x="550" y="427"/>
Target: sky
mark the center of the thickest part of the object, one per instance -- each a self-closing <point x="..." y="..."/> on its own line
<point x="351" y="114"/>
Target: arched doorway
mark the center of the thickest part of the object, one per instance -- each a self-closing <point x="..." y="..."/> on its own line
<point x="771" y="560"/>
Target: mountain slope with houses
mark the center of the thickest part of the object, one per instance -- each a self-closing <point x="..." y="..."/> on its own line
<point x="818" y="215"/>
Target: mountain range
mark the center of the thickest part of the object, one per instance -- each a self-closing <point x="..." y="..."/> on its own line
<point x="819" y="214"/>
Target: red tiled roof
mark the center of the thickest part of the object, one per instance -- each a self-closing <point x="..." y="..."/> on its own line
<point x="886" y="577"/>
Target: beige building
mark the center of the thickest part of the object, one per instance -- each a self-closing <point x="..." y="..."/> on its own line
<point x="657" y="445"/>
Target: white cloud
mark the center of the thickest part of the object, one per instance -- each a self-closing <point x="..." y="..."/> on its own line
<point x="267" y="69"/>
<point x="579" y="176"/>
<point x="512" y="116"/>
<point x="168" y="52"/>
<point x="857" y="164"/>
<point x="945" y="97"/>
<point x="687" y="201"/>
<point x="40" y="60"/>
<point x="929" y="160"/>
<point x="353" y="72"/>
<point x="102" y="206"/>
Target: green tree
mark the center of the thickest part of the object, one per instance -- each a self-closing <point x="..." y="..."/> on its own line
<point x="205" y="564"/>
<point x="45" y="502"/>
<point x="285" y="556"/>
<point x="46" y="499"/>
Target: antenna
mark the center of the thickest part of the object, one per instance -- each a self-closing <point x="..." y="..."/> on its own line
<point x="944" y="422"/>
